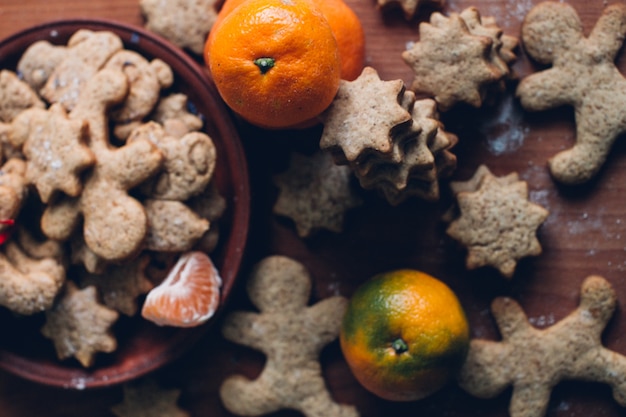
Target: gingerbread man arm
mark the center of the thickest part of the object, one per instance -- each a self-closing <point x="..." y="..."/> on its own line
<point x="532" y="90"/>
<point x="245" y="328"/>
<point x="608" y="34"/>
<point x="326" y="315"/>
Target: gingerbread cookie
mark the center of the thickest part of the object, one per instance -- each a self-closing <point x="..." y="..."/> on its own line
<point x="315" y="193"/>
<point x="146" y="80"/>
<point x="121" y="285"/>
<point x="292" y="336"/>
<point x="401" y="148"/>
<point x="535" y="360"/>
<point x="176" y="108"/>
<point x="115" y="224"/>
<point x="79" y="325"/>
<point x="453" y="64"/>
<point x="28" y="285"/>
<point x="15" y="96"/>
<point x="583" y="75"/>
<point x="86" y="53"/>
<point x="189" y="162"/>
<point x="497" y="223"/>
<point x="13" y="190"/>
<point x="185" y="23"/>
<point x="39" y="61"/>
<point x="362" y="117"/>
<point x="172" y="226"/>
<point x="55" y="149"/>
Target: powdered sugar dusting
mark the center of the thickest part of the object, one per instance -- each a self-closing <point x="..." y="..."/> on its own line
<point x="504" y="130"/>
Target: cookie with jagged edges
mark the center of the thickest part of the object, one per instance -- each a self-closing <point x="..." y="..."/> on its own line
<point x="121" y="285"/>
<point x="420" y="156"/>
<point x="501" y="54"/>
<point x="79" y="325"/>
<point x="55" y="148"/>
<point x="583" y="75"/>
<point x="363" y="117"/>
<point x="291" y="334"/>
<point x="186" y="23"/>
<point x="145" y="397"/>
<point x="315" y="193"/>
<point x="497" y="223"/>
<point x="533" y="361"/>
<point x="450" y="63"/>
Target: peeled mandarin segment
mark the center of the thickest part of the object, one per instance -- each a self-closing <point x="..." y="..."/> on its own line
<point x="189" y="295"/>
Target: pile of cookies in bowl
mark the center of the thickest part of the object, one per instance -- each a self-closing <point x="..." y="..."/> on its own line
<point x="122" y="176"/>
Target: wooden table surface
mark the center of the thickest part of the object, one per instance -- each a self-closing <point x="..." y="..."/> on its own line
<point x="584" y="234"/>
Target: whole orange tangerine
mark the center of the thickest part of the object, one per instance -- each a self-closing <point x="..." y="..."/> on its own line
<point x="404" y="335"/>
<point x="344" y="23"/>
<point x="275" y="62"/>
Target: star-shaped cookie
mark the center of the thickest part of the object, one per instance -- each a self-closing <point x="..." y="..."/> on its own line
<point x="363" y="117"/>
<point x="55" y="149"/>
<point x="450" y="63"/>
<point x="315" y="193"/>
<point x="79" y="325"/>
<point x="497" y="222"/>
<point x="146" y="398"/>
<point x="535" y="360"/>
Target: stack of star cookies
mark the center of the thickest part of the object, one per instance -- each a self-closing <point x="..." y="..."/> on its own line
<point x="393" y="142"/>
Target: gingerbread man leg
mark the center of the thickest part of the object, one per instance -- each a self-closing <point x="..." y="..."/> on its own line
<point x="244" y="397"/>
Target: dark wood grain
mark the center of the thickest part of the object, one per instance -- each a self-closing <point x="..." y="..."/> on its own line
<point x="584" y="234"/>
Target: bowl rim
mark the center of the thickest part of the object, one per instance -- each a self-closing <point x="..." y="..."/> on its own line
<point x="59" y="374"/>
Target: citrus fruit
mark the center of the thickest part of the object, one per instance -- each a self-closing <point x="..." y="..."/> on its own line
<point x="349" y="34"/>
<point x="275" y="62"/>
<point x="188" y="296"/>
<point x="345" y="25"/>
<point x="404" y="335"/>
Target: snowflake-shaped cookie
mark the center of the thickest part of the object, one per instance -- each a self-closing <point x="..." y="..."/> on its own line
<point x="315" y="193"/>
<point x="450" y="63"/>
<point x="535" y="360"/>
<point x="363" y="117"/>
<point x="497" y="223"/>
<point x="79" y="325"/>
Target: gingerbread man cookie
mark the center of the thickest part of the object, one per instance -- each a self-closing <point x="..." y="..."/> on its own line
<point x="115" y="223"/>
<point x="583" y="75"/>
<point x="535" y="360"/>
<point x="292" y="336"/>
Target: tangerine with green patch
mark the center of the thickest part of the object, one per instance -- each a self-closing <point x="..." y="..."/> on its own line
<point x="404" y="335"/>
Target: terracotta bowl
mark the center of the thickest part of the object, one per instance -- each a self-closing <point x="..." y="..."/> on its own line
<point x="142" y="346"/>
